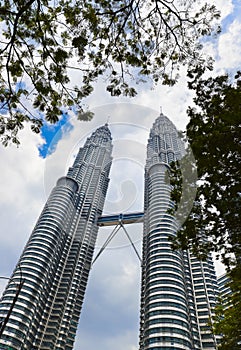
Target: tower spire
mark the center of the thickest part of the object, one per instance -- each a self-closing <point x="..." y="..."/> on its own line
<point x="107" y="120"/>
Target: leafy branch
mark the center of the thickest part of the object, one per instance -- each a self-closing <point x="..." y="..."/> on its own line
<point x="122" y="41"/>
<point x="214" y="134"/>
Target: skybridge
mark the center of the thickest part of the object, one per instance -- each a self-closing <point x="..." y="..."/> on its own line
<point x="117" y="219"/>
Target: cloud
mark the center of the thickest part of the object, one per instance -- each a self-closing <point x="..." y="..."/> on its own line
<point x="229" y="45"/>
<point x="110" y="316"/>
<point x="21" y="196"/>
<point x="225" y="6"/>
<point x="120" y="341"/>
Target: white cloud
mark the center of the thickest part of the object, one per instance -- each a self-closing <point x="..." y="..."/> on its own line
<point x="120" y="341"/>
<point x="225" y="6"/>
<point x="21" y="196"/>
<point x="110" y="316"/>
<point x="229" y="47"/>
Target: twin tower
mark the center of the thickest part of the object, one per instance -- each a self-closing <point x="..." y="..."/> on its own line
<point x="41" y="305"/>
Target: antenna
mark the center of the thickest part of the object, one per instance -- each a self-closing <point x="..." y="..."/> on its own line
<point x="161" y="109"/>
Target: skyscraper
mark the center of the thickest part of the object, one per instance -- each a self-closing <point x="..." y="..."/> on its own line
<point x="41" y="305"/>
<point x="225" y="291"/>
<point x="44" y="296"/>
<point x="178" y="292"/>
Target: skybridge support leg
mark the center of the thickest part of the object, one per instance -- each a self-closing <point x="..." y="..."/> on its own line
<point x="133" y="246"/>
<point x="111" y="236"/>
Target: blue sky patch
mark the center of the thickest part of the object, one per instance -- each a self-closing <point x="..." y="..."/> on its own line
<point x="52" y="134"/>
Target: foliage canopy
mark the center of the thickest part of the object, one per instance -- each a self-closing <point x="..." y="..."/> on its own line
<point x="227" y="321"/>
<point x="214" y="134"/>
<point x="51" y="52"/>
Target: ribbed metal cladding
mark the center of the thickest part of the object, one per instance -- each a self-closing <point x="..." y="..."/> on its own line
<point x="56" y="261"/>
<point x="168" y="318"/>
<point x="206" y="295"/>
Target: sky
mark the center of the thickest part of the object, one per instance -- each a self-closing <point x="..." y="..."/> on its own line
<point x="110" y="315"/>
